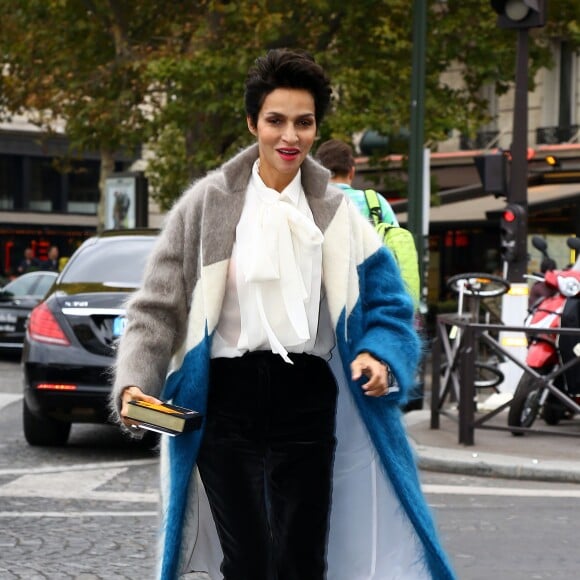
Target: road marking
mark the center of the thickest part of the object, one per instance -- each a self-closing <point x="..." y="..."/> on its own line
<point x="73" y="484"/>
<point x="78" y="467"/>
<point x="499" y="491"/>
<point x="7" y="399"/>
<point x="122" y="514"/>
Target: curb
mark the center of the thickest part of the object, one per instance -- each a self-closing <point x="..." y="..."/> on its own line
<point x="471" y="461"/>
<point x="494" y="465"/>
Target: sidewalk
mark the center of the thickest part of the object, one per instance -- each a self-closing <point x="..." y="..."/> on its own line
<point x="536" y="456"/>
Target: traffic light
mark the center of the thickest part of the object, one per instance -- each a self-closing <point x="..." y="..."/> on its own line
<point x="513" y="233"/>
<point x="520" y="13"/>
<point x="492" y="169"/>
<point x="374" y="143"/>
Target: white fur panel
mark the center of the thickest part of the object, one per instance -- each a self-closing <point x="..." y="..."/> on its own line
<point x="206" y="303"/>
<point x="336" y="261"/>
<point x="341" y="253"/>
<point x="164" y="487"/>
<point x="371" y="240"/>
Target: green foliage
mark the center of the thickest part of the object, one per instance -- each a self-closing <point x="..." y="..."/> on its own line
<point x="170" y="171"/>
<point x="170" y="73"/>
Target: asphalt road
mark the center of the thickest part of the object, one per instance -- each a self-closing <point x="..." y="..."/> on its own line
<point x="88" y="511"/>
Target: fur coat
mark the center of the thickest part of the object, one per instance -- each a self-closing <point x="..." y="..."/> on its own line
<point x="380" y="526"/>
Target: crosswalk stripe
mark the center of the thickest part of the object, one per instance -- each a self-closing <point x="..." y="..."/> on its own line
<point x="78" y="467"/>
<point x="79" y="514"/>
<point x="499" y="491"/>
<point x="8" y="398"/>
<point x="86" y="485"/>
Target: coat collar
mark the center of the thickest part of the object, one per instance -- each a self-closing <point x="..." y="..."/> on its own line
<point x="223" y="210"/>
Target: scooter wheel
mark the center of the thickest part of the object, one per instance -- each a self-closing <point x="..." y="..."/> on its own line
<point x="553" y="411"/>
<point x="525" y="404"/>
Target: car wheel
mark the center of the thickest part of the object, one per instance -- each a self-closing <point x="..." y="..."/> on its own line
<point x="43" y="431"/>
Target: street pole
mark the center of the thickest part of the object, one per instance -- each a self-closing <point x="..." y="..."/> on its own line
<point x="518" y="186"/>
<point x="417" y="138"/>
<point x="515" y="302"/>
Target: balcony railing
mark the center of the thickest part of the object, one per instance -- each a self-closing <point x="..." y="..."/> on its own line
<point x="482" y="140"/>
<point x="555" y="135"/>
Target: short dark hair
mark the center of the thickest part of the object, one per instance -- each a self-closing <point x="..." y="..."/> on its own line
<point x="289" y="69"/>
<point x="336" y="156"/>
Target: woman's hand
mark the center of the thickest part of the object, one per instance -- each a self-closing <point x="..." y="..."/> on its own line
<point x="133" y="393"/>
<point x="375" y="370"/>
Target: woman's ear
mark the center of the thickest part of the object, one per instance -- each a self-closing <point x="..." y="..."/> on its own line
<point x="253" y="130"/>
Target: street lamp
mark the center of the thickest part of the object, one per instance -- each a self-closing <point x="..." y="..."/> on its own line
<point x="416" y="214"/>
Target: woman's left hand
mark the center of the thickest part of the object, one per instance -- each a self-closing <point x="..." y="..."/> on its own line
<point x="376" y="371"/>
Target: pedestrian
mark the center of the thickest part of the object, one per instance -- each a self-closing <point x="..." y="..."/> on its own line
<point x="337" y="156"/>
<point x="285" y="323"/>
<point x="51" y="263"/>
<point x="29" y="263"/>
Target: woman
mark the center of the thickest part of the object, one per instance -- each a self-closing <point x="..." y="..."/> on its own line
<point x="266" y="292"/>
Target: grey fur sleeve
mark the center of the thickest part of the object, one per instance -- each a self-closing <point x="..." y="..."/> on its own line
<point x="156" y="316"/>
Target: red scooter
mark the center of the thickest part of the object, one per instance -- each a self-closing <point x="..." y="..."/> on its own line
<point x="549" y="352"/>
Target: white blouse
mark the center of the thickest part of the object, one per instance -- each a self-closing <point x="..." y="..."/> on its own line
<point x="273" y="291"/>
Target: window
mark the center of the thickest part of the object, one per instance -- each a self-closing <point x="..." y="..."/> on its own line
<point x="559" y="97"/>
<point x="8" y="180"/>
<point x="45" y="184"/>
<point x="83" y="193"/>
<point x="117" y="262"/>
<point x="36" y="285"/>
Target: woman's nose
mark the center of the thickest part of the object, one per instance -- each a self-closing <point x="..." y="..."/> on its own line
<point x="290" y="135"/>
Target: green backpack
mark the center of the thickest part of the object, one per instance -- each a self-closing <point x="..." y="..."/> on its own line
<point x="401" y="243"/>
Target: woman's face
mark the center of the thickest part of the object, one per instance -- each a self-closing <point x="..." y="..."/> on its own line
<point x="286" y="130"/>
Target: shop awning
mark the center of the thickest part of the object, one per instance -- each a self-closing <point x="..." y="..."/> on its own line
<point x="477" y="208"/>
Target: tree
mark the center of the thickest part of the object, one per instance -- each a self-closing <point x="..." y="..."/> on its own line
<point x="366" y="48"/>
<point x="82" y="64"/>
<point x="170" y="73"/>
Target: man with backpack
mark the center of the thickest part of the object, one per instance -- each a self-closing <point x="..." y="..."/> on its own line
<point x="338" y="158"/>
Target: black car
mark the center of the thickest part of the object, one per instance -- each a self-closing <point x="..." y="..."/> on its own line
<point x="17" y="299"/>
<point x="69" y="345"/>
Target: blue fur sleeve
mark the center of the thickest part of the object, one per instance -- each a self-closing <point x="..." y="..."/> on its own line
<point x="387" y="312"/>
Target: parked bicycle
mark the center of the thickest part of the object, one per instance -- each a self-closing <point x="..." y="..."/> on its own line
<point x="473" y="289"/>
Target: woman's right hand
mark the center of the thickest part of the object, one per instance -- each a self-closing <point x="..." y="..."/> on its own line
<point x="133" y="393"/>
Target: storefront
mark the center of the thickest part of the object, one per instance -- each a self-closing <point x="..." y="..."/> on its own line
<point x="48" y="195"/>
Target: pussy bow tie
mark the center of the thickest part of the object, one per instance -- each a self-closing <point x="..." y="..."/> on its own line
<point x="285" y="243"/>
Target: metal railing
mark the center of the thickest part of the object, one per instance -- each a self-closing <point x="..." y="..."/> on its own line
<point x="482" y="140"/>
<point x="557" y="134"/>
<point x="459" y="379"/>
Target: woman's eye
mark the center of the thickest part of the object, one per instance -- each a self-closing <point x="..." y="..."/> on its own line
<point x="274" y="121"/>
<point x="306" y="123"/>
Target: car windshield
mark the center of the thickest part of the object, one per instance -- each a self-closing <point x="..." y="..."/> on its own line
<point x="113" y="262"/>
<point x="44" y="284"/>
<point x="30" y="285"/>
